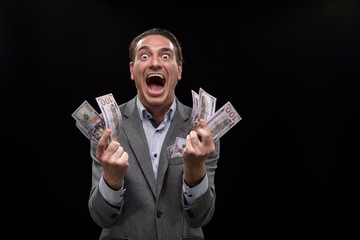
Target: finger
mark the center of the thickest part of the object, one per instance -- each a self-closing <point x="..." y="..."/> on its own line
<point x="203" y="125"/>
<point x="189" y="147"/>
<point x="204" y="132"/>
<point x="194" y="139"/>
<point x="101" y="147"/>
<point x="112" y="148"/>
<point x="119" y="152"/>
<point x="205" y="136"/>
<point x="125" y="158"/>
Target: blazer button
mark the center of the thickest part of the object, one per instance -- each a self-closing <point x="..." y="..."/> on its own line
<point x="158" y="214"/>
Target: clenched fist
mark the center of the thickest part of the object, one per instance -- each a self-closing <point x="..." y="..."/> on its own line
<point x="199" y="146"/>
<point x="113" y="159"/>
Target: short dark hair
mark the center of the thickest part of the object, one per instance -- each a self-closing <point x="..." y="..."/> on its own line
<point x="157" y="31"/>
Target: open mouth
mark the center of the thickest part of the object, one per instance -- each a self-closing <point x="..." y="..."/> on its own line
<point x="155" y="83"/>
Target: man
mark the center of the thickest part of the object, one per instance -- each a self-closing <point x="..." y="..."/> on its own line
<point x="137" y="191"/>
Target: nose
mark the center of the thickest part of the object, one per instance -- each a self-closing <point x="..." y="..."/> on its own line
<point x="155" y="63"/>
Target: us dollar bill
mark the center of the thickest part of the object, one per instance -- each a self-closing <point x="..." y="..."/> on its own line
<point x="111" y="114"/>
<point x="171" y="153"/>
<point x="176" y="149"/>
<point x="89" y="121"/>
<point x="180" y="144"/>
<point x="195" y="100"/>
<point x="205" y="109"/>
<point x="219" y="122"/>
<point x="94" y="138"/>
<point x="223" y="120"/>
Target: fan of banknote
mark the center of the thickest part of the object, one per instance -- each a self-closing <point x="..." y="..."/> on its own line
<point x="92" y="125"/>
<point x="219" y="122"/>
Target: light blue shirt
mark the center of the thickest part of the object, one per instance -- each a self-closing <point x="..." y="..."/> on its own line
<point x="155" y="136"/>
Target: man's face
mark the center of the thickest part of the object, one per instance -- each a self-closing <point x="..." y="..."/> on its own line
<point x="155" y="71"/>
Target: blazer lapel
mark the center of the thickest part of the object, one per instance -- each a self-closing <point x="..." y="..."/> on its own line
<point x="179" y="127"/>
<point x="132" y="127"/>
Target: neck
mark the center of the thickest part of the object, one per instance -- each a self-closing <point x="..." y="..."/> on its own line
<point x="157" y="111"/>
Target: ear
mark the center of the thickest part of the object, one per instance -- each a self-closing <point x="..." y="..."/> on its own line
<point x="131" y="64"/>
<point x="179" y="71"/>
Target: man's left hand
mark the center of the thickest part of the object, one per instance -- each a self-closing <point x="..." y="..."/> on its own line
<point x="199" y="146"/>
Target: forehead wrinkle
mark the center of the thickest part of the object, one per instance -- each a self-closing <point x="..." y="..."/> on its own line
<point x="148" y="48"/>
<point x="144" y="47"/>
<point x="166" y="50"/>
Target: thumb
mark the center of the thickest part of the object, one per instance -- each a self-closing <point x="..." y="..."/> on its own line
<point x="101" y="147"/>
<point x="203" y="125"/>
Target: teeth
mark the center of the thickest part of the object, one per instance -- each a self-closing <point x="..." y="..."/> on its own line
<point x="156" y="75"/>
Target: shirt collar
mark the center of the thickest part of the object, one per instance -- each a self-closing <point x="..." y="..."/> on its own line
<point x="143" y="112"/>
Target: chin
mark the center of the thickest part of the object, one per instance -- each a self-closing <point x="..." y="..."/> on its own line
<point x="156" y="101"/>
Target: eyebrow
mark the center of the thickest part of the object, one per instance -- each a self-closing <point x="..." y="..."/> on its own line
<point x="161" y="49"/>
<point x="143" y="47"/>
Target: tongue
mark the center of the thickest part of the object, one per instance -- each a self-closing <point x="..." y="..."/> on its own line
<point x="155" y="87"/>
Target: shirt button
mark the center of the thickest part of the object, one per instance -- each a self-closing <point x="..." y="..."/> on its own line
<point x="155" y="155"/>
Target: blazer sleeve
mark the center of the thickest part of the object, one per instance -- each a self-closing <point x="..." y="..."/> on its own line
<point x="201" y="212"/>
<point x="101" y="212"/>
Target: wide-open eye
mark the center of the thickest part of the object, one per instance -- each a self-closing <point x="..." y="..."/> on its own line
<point x="165" y="56"/>
<point x="144" y="56"/>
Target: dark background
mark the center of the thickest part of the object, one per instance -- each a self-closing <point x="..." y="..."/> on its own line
<point x="291" y="70"/>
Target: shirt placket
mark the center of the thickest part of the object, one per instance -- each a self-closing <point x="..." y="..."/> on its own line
<point x="154" y="151"/>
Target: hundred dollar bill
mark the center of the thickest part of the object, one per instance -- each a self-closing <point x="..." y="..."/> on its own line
<point x="111" y="113"/>
<point x="206" y="108"/>
<point x="171" y="153"/>
<point x="89" y="121"/>
<point x="195" y="100"/>
<point x="87" y="133"/>
<point x="207" y="104"/>
<point x="223" y="120"/>
<point x="180" y="144"/>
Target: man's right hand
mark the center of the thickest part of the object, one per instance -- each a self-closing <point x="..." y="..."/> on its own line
<point x="113" y="159"/>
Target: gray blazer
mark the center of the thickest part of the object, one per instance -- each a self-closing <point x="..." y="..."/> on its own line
<point x="152" y="209"/>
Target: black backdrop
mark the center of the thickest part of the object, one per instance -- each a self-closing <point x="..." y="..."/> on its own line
<point x="291" y="69"/>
